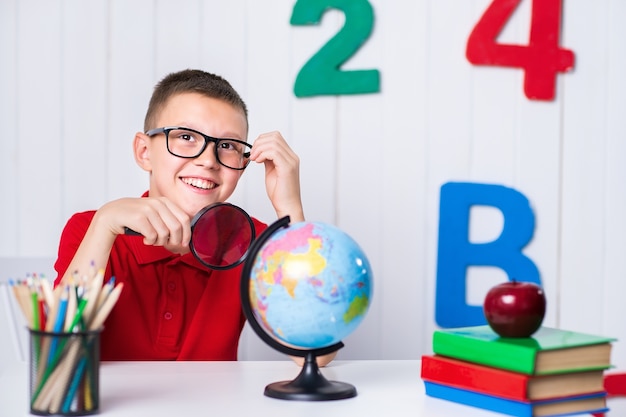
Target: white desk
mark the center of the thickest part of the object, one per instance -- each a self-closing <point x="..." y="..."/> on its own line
<point x="154" y="389"/>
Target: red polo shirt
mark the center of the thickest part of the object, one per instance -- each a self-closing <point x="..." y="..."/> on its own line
<point x="171" y="308"/>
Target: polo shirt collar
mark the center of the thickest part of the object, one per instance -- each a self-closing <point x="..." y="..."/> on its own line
<point x="146" y="254"/>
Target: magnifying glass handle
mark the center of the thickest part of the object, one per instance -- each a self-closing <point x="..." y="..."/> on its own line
<point x="131" y="232"/>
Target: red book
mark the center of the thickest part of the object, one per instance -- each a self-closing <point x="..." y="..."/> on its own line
<point x="507" y="384"/>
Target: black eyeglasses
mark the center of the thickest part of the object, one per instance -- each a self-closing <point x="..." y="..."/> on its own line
<point x="188" y="143"/>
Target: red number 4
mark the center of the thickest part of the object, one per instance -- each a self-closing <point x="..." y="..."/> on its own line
<point x="541" y="59"/>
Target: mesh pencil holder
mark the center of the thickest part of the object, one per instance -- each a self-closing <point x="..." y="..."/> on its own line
<point x="64" y="373"/>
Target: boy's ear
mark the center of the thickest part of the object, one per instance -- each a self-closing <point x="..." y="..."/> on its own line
<point x="141" y="151"/>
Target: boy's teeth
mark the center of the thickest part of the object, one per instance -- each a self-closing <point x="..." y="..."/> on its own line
<point x="198" y="183"/>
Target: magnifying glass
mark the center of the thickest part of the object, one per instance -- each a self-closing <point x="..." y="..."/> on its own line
<point x="221" y="235"/>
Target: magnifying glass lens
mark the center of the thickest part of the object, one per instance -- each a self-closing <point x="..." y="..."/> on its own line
<point x="221" y="236"/>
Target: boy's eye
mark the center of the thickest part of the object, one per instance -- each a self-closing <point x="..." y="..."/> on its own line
<point x="228" y="145"/>
<point x="187" y="137"/>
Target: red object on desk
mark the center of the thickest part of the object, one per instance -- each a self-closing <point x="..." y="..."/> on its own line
<point x="615" y="386"/>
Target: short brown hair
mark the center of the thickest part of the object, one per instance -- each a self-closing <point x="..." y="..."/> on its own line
<point x="191" y="81"/>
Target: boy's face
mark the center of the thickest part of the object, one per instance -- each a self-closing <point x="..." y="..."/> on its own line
<point x="197" y="182"/>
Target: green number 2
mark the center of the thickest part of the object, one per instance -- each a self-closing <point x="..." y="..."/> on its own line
<point x="322" y="74"/>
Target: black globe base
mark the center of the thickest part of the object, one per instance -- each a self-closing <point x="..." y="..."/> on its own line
<point x="310" y="385"/>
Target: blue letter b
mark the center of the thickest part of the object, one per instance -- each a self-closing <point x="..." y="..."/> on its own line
<point x="456" y="253"/>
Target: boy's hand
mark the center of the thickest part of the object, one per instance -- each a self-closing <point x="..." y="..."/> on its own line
<point x="160" y="221"/>
<point x="321" y="360"/>
<point x="282" y="174"/>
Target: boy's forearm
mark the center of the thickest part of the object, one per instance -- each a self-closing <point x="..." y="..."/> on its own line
<point x="295" y="215"/>
<point x="321" y="360"/>
<point x="94" y="251"/>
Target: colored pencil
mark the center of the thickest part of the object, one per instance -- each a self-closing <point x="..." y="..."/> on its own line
<point x="59" y="322"/>
<point x="107" y="306"/>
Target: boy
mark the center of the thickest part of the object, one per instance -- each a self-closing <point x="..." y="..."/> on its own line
<point x="172" y="307"/>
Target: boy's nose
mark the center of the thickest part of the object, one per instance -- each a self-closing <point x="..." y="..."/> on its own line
<point x="207" y="157"/>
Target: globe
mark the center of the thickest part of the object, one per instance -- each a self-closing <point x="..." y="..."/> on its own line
<point x="305" y="287"/>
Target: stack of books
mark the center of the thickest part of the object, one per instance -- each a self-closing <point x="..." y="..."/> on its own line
<point x="552" y="373"/>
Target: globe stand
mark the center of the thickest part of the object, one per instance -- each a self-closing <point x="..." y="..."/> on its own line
<point x="310" y="385"/>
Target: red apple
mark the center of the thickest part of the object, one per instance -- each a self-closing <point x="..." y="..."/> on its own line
<point x="515" y="309"/>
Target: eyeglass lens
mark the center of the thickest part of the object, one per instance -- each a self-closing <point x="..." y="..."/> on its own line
<point x="189" y="144"/>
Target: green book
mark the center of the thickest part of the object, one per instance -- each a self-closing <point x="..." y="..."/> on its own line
<point x="548" y="351"/>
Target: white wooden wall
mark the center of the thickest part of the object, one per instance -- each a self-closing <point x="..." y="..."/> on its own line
<point x="76" y="77"/>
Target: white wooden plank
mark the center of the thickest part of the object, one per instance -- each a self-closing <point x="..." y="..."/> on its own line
<point x="132" y="76"/>
<point x="401" y="287"/>
<point x="449" y="121"/>
<point x="360" y="148"/>
<point x="614" y="308"/>
<point x="313" y="131"/>
<point x="84" y="105"/>
<point x="537" y="176"/>
<point x="177" y="35"/>
<point x="313" y="121"/>
<point x="221" y="20"/>
<point x="39" y="126"/>
<point x="10" y="207"/>
<point x="358" y="209"/>
<point x="584" y="176"/>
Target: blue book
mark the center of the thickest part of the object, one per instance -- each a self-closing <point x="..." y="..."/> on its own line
<point x="563" y="406"/>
